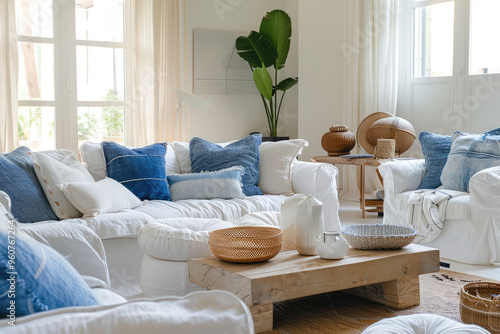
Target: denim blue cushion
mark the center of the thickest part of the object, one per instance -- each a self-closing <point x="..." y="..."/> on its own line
<point x="141" y="170"/>
<point x="436" y="149"/>
<point x="18" y="180"/>
<point x="225" y="184"/>
<point x="45" y="280"/>
<point x="469" y="154"/>
<point x="207" y="156"/>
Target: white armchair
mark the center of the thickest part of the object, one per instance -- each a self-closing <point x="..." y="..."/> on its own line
<point x="471" y="232"/>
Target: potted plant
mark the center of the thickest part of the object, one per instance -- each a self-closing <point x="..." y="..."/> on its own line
<point x="266" y="48"/>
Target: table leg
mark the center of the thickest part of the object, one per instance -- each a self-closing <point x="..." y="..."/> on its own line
<point x="362" y="191"/>
<point x="262" y="317"/>
<point x="401" y="293"/>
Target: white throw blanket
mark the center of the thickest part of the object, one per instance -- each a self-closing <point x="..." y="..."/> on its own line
<point x="427" y="211"/>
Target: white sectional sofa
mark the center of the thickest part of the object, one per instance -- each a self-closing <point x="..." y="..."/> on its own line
<point x="118" y="231"/>
<point x="471" y="229"/>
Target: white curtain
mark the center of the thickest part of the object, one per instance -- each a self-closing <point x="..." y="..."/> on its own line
<point x="156" y="69"/>
<point x="370" y="73"/>
<point x="9" y="68"/>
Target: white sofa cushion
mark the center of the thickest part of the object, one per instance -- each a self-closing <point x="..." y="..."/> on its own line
<point x="208" y="312"/>
<point x="422" y="323"/>
<point x="179" y="239"/>
<point x="54" y="167"/>
<point x="228" y="210"/>
<point x="95" y="198"/>
<point x="275" y="165"/>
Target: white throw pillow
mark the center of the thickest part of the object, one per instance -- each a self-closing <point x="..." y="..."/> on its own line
<point x="105" y="196"/>
<point x="93" y="157"/>
<point x="275" y="166"/>
<point x="54" y="167"/>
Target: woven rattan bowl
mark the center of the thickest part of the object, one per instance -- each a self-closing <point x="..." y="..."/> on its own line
<point x="378" y="236"/>
<point x="480" y="305"/>
<point x="246" y="244"/>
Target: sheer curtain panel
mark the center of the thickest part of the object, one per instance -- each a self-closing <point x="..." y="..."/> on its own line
<point x="370" y="73"/>
<point x="9" y="67"/>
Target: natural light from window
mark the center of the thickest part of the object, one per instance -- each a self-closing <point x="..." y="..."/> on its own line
<point x="433" y="40"/>
<point x="484" y="28"/>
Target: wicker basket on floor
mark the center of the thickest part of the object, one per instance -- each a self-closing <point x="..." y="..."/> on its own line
<point x="246" y="244"/>
<point x="480" y="305"/>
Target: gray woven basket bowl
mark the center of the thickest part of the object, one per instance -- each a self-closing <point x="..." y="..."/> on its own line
<point x="378" y="236"/>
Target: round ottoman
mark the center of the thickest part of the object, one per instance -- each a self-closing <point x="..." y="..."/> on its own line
<point x="167" y="245"/>
<point x="422" y="324"/>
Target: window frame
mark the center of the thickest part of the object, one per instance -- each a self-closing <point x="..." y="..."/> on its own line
<point x="65" y="100"/>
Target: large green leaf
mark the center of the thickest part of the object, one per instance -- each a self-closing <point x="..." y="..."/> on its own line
<point x="278" y="27"/>
<point x="256" y="49"/>
<point x="287" y="84"/>
<point x="263" y="82"/>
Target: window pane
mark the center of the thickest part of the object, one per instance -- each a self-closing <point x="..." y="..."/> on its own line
<point x="485" y="25"/>
<point x="433" y="40"/>
<point x="100" y="124"/>
<point x="35" y="126"/>
<point x="34" y="18"/>
<point x="36" y="71"/>
<point x="99" y="20"/>
<point x="99" y="71"/>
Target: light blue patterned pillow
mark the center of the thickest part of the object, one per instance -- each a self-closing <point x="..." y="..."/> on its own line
<point x="469" y="154"/>
<point x="225" y="184"/>
<point x="44" y="279"/>
<point x="207" y="156"/>
<point x="140" y="170"/>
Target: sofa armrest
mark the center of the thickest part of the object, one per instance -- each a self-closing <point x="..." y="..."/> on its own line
<point x="77" y="243"/>
<point x="319" y="180"/>
<point x="399" y="176"/>
<point x="484" y="188"/>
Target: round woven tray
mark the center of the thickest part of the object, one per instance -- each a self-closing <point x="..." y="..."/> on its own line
<point x="378" y="236"/>
<point x="246" y="244"/>
<point x="480" y="305"/>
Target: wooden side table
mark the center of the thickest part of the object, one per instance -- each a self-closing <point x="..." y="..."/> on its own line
<point x="378" y="204"/>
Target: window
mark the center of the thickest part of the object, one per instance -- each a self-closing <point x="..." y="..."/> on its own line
<point x="72" y="84"/>
<point x="36" y="91"/>
<point x="484" y="27"/>
<point x="433" y="39"/>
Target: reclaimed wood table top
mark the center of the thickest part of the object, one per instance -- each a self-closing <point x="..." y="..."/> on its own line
<point x="290" y="275"/>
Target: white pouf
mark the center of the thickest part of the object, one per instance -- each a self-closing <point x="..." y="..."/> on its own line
<point x="167" y="245"/>
<point x="422" y="324"/>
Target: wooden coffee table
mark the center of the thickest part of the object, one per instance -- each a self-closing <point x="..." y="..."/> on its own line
<point x="389" y="277"/>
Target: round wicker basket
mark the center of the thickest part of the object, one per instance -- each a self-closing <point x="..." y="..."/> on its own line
<point x="378" y="236"/>
<point x="246" y="244"/>
<point x="480" y="305"/>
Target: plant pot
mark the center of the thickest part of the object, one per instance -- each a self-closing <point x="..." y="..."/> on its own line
<point x="264" y="139"/>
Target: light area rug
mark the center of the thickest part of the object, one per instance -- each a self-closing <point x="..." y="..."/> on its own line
<point x="340" y="312"/>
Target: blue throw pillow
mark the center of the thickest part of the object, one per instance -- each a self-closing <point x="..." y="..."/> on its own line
<point x="436" y="149"/>
<point x="209" y="157"/>
<point x="37" y="278"/>
<point x="225" y="184"/>
<point x="140" y="170"/>
<point x="18" y="180"/>
<point x="469" y="154"/>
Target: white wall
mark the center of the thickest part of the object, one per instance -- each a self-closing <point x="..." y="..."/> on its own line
<point x="235" y="116"/>
<point x="320" y="71"/>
